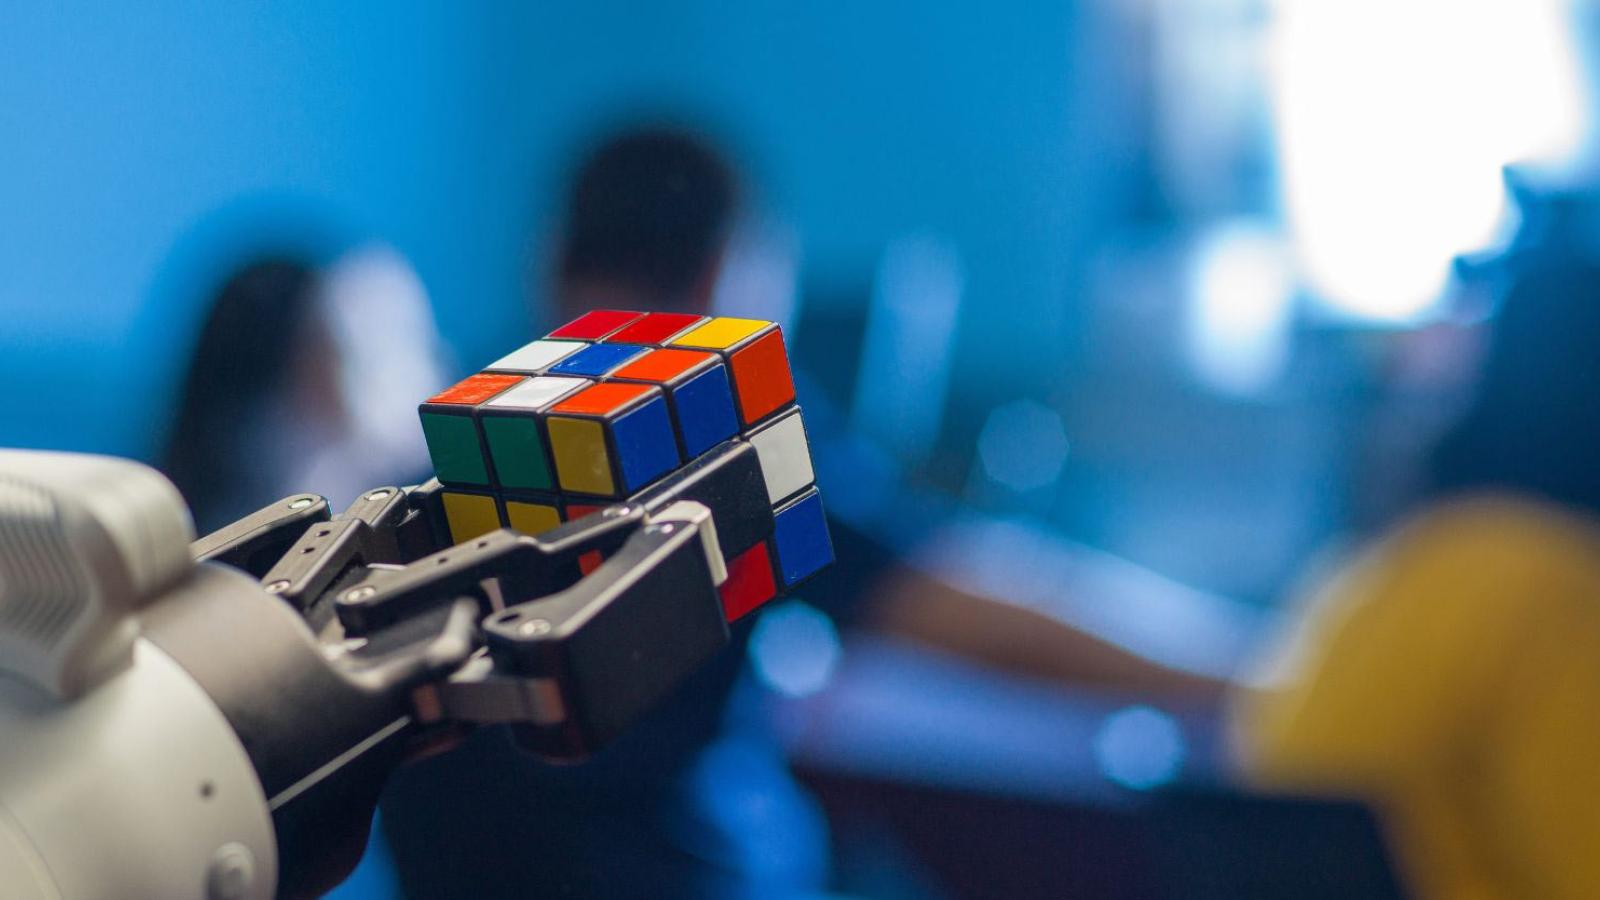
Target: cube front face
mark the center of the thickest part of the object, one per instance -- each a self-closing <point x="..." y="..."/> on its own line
<point x="608" y="404"/>
<point x="469" y="516"/>
<point x="532" y="518"/>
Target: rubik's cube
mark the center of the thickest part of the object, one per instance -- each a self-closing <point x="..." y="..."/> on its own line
<point x="608" y="404"/>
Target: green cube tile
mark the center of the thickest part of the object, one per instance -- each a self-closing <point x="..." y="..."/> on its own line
<point x="514" y="435"/>
<point x="518" y="452"/>
<point x="453" y="445"/>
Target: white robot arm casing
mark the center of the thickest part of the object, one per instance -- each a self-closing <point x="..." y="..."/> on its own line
<point x="85" y="542"/>
<point x="119" y="776"/>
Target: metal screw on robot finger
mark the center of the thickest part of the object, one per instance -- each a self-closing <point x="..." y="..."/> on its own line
<point x="302" y="503"/>
<point x="616" y="512"/>
<point x="534" y="627"/>
<point x="378" y="494"/>
<point x="360" y="593"/>
<point x="278" y="587"/>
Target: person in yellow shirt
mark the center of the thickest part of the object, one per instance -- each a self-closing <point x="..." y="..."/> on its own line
<point x="1450" y="676"/>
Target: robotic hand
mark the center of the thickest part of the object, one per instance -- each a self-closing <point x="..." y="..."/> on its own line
<point x="214" y="720"/>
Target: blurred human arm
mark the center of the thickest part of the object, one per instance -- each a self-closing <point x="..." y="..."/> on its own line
<point x="909" y="604"/>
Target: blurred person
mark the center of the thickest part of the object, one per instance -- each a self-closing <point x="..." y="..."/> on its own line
<point x="696" y="801"/>
<point x="1450" y="675"/>
<point x="306" y="378"/>
<point x="643" y="225"/>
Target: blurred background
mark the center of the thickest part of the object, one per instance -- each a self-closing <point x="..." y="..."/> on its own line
<point x="1161" y="299"/>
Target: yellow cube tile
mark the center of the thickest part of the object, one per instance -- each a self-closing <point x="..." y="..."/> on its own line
<point x="720" y="333"/>
<point x="579" y="449"/>
<point x="469" y="515"/>
<point x="531" y="518"/>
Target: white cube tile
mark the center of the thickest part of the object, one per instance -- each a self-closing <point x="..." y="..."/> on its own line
<point x="785" y="456"/>
<point x="538" y="392"/>
<point x="536" y="356"/>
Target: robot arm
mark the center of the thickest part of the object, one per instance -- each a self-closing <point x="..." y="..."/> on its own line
<point x="216" y="720"/>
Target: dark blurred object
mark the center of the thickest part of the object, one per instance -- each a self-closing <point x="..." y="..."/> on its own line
<point x="647" y="218"/>
<point x="1173" y="845"/>
<point x="244" y="359"/>
<point x="1534" y="424"/>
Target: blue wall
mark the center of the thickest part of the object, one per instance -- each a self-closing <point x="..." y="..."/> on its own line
<point x="147" y="146"/>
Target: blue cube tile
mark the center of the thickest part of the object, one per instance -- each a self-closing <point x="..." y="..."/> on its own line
<point x="596" y="359"/>
<point x="645" y="447"/>
<point x="706" y="415"/>
<point x="800" y="541"/>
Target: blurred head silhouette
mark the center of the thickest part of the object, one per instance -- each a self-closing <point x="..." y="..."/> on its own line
<point x="645" y="223"/>
<point x="1534" y="427"/>
<point x="304" y="378"/>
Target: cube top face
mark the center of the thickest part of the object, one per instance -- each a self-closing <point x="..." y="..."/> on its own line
<point x="535" y="357"/>
<point x="662" y="366"/>
<point x="592" y="326"/>
<point x="536" y="393"/>
<point x="597" y="359"/>
<point x="474" y="390"/>
<point x="721" y="333"/>
<point x="655" y="328"/>
<point x="605" y="399"/>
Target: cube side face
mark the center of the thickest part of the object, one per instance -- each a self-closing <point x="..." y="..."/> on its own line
<point x="453" y="445"/>
<point x="469" y="515"/>
<point x="800" y="542"/>
<point x="517" y="448"/>
<point x="644" y="442"/>
<point x="785" y="456"/>
<point x="583" y="461"/>
<point x="761" y="376"/>
<point x="750" y="583"/>
<point x="532" y="518"/>
<point x="704" y="407"/>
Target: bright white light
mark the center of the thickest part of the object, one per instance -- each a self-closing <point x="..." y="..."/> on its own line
<point x="1023" y="445"/>
<point x="1139" y="747"/>
<point x="795" y="649"/>
<point x="1241" y="287"/>
<point x="1394" y="120"/>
